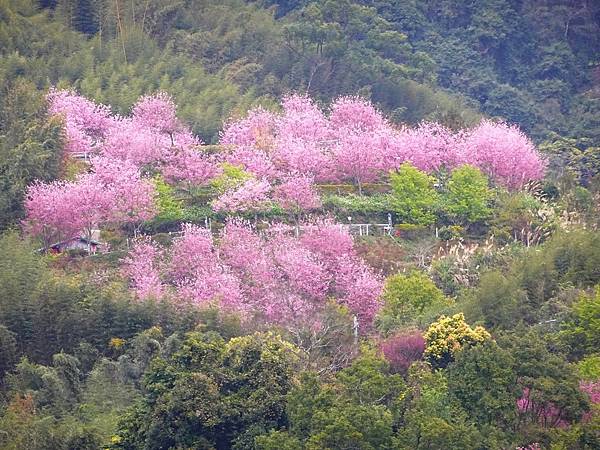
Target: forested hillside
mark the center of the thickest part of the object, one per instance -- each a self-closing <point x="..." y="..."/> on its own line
<point x="300" y="224"/>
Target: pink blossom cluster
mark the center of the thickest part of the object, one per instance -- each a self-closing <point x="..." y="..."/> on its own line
<point x="152" y="135"/>
<point x="295" y="193"/>
<point x="532" y="446"/>
<point x="429" y="147"/>
<point x="403" y="349"/>
<point x="278" y="278"/>
<point x="548" y="414"/>
<point x="250" y="196"/>
<point x="346" y="145"/>
<point x="141" y="266"/>
<point x="113" y="193"/>
<point x="86" y="123"/>
<point x="356" y="143"/>
<point x="592" y="389"/>
<point x="289" y="151"/>
<point x="503" y="152"/>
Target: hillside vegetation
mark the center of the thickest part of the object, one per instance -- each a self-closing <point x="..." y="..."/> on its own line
<point x="299" y="224"/>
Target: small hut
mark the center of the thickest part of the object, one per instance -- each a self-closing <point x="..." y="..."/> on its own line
<point x="78" y="243"/>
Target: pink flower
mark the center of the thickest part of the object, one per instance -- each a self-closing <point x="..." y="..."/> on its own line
<point x="191" y="165"/>
<point x="86" y="123"/>
<point x="255" y="130"/>
<point x="297" y="193"/>
<point x="503" y="152"/>
<point x="403" y="349"/>
<point x="156" y="112"/>
<point x="277" y="278"/>
<point x="429" y="147"/>
<point x="251" y="196"/>
<point x="356" y="114"/>
<point x="141" y="267"/>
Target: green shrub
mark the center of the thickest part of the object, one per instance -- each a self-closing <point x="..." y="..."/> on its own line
<point x="413" y="197"/>
<point x="468" y="195"/>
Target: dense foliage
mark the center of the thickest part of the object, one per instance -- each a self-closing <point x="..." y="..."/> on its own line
<point x="299" y="224"/>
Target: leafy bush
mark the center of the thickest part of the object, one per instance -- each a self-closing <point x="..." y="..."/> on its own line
<point x="468" y="195"/>
<point x="405" y="299"/>
<point x="413" y="196"/>
<point x="448" y="335"/>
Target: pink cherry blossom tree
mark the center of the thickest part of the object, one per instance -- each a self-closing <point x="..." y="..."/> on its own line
<point x="151" y="136"/>
<point x="86" y="123"/>
<point x="503" y="152"/>
<point x="329" y="240"/>
<point x="359" y="288"/>
<point x="276" y="277"/>
<point x="197" y="272"/>
<point x="302" y="120"/>
<point x="253" y="160"/>
<point x="129" y="197"/>
<point x="359" y="158"/>
<point x="157" y="112"/>
<point x="356" y="114"/>
<point x="49" y="212"/>
<point x="243" y="251"/>
<point x="307" y="157"/>
<point x="141" y="266"/>
<point x="90" y="200"/>
<point x="113" y="193"/>
<point x="252" y="196"/>
<point x="429" y="147"/>
<point x="61" y="211"/>
<point x="356" y="143"/>
<point x="297" y="194"/>
<point x="256" y="130"/>
<point x="190" y="165"/>
<point x="127" y="141"/>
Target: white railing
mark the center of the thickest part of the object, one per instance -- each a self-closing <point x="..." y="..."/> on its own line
<point x="368" y="229"/>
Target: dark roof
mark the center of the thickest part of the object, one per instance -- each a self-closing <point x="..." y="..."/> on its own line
<point x="81" y="239"/>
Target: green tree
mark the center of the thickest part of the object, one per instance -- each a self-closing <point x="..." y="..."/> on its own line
<point x="85" y="16"/>
<point x="413" y="195"/>
<point x="30" y="145"/>
<point x="406" y="298"/>
<point x="589" y="367"/>
<point x="231" y="177"/>
<point x="8" y="351"/>
<point x="547" y="380"/>
<point x="483" y="380"/>
<point x="355" y="410"/>
<point x="468" y="195"/>
<point x="446" y="336"/>
<point x="213" y="393"/>
<point x="501" y="300"/>
<point x="431" y="417"/>
<point x="582" y="329"/>
<point x="170" y="208"/>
